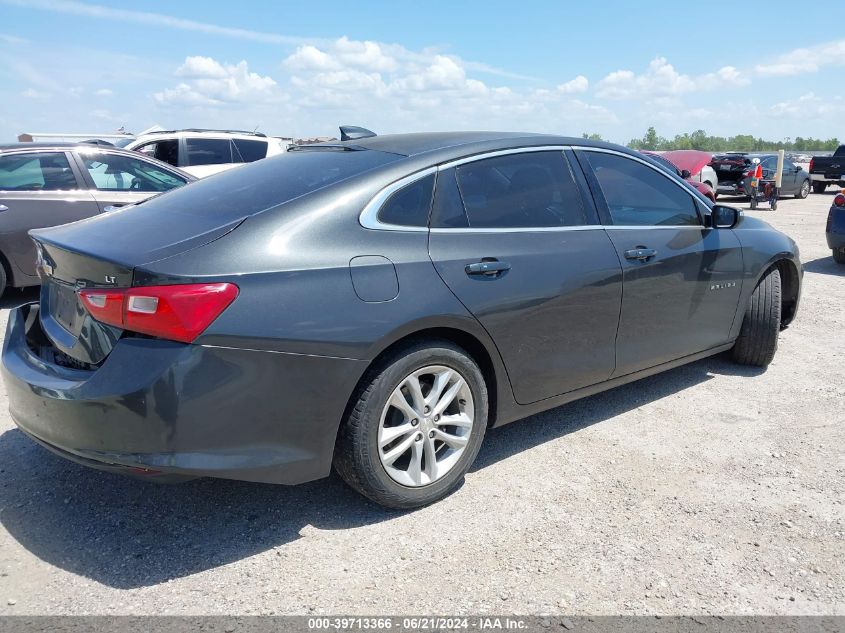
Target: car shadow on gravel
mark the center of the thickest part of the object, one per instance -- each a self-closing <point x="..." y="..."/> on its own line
<point x="825" y="266"/>
<point x="501" y="443"/>
<point x="127" y="533"/>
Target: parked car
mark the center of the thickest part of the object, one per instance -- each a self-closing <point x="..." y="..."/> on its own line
<point x="45" y="184"/>
<point x="697" y="163"/>
<point x="673" y="168"/>
<point x="377" y="304"/>
<point x="828" y="170"/>
<point x="735" y="168"/>
<point x="205" y="152"/>
<point x="835" y="230"/>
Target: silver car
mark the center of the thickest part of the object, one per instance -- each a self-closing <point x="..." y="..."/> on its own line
<point x="46" y="184"/>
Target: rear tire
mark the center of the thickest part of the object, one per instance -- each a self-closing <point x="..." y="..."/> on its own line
<point x="839" y="255"/>
<point x="804" y="191"/>
<point x="758" y="337"/>
<point x="819" y="187"/>
<point x="362" y="456"/>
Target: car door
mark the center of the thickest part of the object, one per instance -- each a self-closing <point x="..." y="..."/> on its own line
<point x="681" y="280"/>
<point x="521" y="247"/>
<point x="118" y="179"/>
<point x="37" y="189"/>
<point x="789" y="183"/>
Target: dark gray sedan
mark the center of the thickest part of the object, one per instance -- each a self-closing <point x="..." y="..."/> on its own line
<point x="46" y="184"/>
<point x="377" y="304"/>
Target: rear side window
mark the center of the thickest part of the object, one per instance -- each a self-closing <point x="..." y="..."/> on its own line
<point x="247" y="151"/>
<point x="264" y="184"/>
<point x="166" y="150"/>
<point x="534" y="189"/>
<point x="410" y="205"/>
<point x="43" y="171"/>
<point x="208" y="151"/>
<point x="637" y="195"/>
<point x="447" y="210"/>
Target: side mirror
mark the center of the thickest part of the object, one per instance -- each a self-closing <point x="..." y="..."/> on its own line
<point x="722" y="217"/>
<point x="797" y="168"/>
<point x="685" y="174"/>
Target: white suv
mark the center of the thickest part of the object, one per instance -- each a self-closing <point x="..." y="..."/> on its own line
<point x="205" y="152"/>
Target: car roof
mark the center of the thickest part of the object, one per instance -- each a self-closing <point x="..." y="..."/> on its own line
<point x="454" y="143"/>
<point x="6" y="147"/>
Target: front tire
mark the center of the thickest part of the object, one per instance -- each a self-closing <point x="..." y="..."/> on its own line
<point x="839" y="255"/>
<point x="415" y="427"/>
<point x="804" y="191"/>
<point x="758" y="337"/>
<point x="819" y="187"/>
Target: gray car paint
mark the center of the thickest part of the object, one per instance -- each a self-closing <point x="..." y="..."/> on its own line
<point x="261" y="393"/>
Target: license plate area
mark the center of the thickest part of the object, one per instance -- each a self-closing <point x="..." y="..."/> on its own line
<point x="64" y="306"/>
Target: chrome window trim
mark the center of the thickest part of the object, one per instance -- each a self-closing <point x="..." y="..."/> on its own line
<point x="501" y="152"/>
<point x="521" y="229"/>
<point x="369" y="216"/>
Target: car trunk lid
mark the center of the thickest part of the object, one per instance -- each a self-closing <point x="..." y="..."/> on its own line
<point x="87" y="254"/>
<point x="730" y="168"/>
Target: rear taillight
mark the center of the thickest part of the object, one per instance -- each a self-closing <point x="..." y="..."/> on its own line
<point x="811" y="164"/>
<point x="179" y="313"/>
<point x="839" y="200"/>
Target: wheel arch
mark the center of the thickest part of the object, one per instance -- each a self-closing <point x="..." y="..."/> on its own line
<point x="790" y="284"/>
<point x="478" y="346"/>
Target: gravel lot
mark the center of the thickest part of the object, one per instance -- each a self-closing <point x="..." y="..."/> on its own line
<point x="712" y="488"/>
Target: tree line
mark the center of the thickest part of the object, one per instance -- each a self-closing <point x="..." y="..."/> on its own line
<point x="741" y="142"/>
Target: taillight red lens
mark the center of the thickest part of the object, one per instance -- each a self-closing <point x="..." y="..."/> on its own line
<point x="839" y="200"/>
<point x="812" y="160"/>
<point x="179" y="313"/>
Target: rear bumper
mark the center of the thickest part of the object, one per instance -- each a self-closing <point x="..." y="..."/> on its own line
<point x="826" y="178"/>
<point x="172" y="410"/>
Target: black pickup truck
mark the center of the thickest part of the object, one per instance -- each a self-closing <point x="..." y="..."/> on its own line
<point x="828" y="170"/>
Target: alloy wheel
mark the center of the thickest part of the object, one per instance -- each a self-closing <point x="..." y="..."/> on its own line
<point x="425" y="425"/>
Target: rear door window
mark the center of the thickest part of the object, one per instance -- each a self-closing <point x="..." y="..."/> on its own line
<point x="248" y="151"/>
<point x="115" y="172"/>
<point x="208" y="151"/>
<point x="524" y="190"/>
<point x="42" y="171"/>
<point x="638" y="195"/>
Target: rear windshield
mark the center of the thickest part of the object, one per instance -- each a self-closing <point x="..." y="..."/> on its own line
<point x="267" y="183"/>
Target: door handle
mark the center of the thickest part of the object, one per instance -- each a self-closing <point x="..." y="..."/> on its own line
<point x="488" y="268"/>
<point x="640" y="253"/>
<point x="3" y="207"/>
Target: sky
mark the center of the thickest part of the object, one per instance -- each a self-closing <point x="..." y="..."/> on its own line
<point x="303" y="68"/>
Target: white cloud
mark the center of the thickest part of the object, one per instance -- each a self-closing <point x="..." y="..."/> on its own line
<point x="662" y="81"/>
<point x="575" y="86"/>
<point x="209" y="82"/>
<point x="310" y="57"/>
<point x="151" y="19"/>
<point x="802" y="61"/>
<point x="31" y="93"/>
<point x="104" y="92"/>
